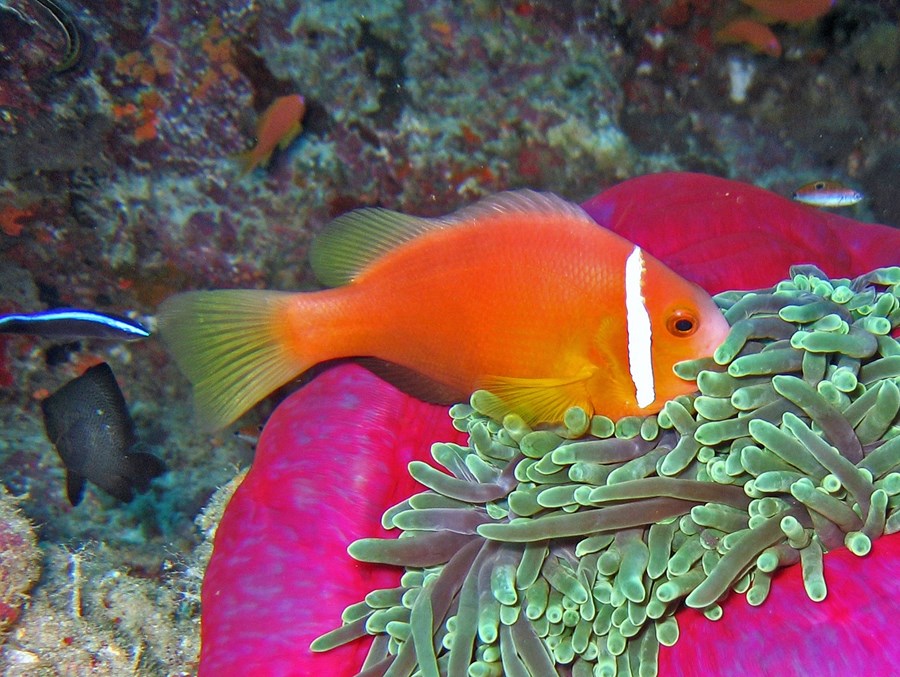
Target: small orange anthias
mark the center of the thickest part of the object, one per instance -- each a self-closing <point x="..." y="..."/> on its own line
<point x="521" y="294"/>
<point x="277" y="127"/>
<point x="791" y="11"/>
<point x="757" y="36"/>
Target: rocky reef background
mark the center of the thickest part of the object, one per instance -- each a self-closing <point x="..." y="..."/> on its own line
<point x="119" y="186"/>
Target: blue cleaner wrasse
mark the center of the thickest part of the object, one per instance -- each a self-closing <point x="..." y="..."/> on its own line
<point x="521" y="294"/>
<point x="73" y="323"/>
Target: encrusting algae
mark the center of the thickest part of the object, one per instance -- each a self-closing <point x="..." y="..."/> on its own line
<point x="574" y="546"/>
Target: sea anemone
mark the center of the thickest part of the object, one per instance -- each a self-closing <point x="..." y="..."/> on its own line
<point x="569" y="550"/>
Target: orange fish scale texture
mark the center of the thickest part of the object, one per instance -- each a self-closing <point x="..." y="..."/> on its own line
<point x="530" y="309"/>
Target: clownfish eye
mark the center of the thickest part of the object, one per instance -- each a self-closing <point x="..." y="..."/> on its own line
<point x="682" y="323"/>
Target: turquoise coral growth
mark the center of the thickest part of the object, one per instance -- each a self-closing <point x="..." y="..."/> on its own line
<point x="575" y="546"/>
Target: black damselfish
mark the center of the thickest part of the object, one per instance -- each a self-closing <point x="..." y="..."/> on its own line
<point x="88" y="422"/>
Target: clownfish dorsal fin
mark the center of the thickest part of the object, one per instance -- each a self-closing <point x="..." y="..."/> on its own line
<point x="353" y="241"/>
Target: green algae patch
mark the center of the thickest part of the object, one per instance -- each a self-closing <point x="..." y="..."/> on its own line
<point x="569" y="550"/>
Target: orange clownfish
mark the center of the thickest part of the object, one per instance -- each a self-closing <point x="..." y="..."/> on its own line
<point x="521" y="294"/>
<point x="752" y="33"/>
<point x="277" y="127"/>
<point x="792" y="11"/>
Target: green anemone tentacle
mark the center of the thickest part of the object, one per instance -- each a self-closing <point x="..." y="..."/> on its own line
<point x="575" y="545"/>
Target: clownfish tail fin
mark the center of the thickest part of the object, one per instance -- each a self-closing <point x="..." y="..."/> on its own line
<point x="233" y="345"/>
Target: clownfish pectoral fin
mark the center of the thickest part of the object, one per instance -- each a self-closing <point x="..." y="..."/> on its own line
<point x="233" y="346"/>
<point x="535" y="400"/>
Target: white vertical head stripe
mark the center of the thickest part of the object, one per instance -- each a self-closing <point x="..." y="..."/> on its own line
<point x="640" y="362"/>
